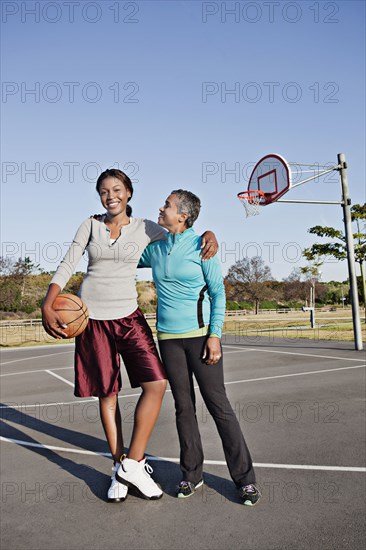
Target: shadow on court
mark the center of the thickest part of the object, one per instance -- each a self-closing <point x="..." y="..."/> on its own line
<point x="293" y="415"/>
<point x="166" y="472"/>
<point x="96" y="481"/>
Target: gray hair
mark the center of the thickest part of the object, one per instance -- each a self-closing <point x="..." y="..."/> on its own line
<point x="189" y="204"/>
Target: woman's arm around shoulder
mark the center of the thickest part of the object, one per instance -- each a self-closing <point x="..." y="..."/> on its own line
<point x="216" y="289"/>
<point x="74" y="254"/>
<point x="154" y="231"/>
<point x="209" y="245"/>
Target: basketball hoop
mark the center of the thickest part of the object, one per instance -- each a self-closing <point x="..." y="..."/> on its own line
<point x="251" y="201"/>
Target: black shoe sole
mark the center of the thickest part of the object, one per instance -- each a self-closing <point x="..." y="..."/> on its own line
<point x="116" y="500"/>
<point x="250" y="503"/>
<point x="140" y="493"/>
<point x="181" y="495"/>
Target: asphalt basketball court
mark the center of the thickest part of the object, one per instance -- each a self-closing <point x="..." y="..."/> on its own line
<point x="299" y="403"/>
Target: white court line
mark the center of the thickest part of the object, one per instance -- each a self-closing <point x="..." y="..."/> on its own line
<point x="52" y="447"/>
<point x="60" y="378"/>
<point x="35" y="357"/>
<point x="293" y="353"/>
<point x="66" y="381"/>
<point x="176" y="460"/>
<point x="236" y="351"/>
<point x="33" y="371"/>
<point x="32" y="348"/>
<point x="169" y="391"/>
<point x="294" y="374"/>
<point x="270" y="465"/>
<point x="63" y="368"/>
<point x="64" y="403"/>
<point x="236" y="348"/>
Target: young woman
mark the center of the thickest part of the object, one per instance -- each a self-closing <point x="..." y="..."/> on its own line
<point x="115" y="242"/>
<point x="190" y="314"/>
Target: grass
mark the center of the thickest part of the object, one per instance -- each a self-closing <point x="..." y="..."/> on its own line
<point x="335" y="332"/>
<point x="294" y="325"/>
<point x="328" y="326"/>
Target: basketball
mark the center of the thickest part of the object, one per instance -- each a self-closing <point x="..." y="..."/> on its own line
<point x="73" y="312"/>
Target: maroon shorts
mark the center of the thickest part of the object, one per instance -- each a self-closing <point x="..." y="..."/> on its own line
<point x="97" y="360"/>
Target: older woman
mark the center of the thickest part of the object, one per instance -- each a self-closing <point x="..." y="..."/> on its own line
<point x="190" y="314"/>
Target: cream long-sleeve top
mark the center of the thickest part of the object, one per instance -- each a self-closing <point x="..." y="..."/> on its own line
<point x="108" y="288"/>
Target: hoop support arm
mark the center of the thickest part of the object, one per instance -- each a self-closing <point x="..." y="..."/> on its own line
<point x="318" y="175"/>
<point x="309" y="165"/>
<point x="310" y="202"/>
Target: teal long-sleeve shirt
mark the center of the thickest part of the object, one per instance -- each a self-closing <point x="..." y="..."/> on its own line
<point x="190" y="292"/>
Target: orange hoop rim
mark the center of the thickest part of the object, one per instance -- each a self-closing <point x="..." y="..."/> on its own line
<point x="251" y="194"/>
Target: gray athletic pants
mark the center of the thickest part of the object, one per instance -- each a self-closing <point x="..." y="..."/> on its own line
<point x="182" y="358"/>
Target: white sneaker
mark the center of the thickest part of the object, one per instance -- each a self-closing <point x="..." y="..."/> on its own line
<point x="137" y="474"/>
<point x="117" y="492"/>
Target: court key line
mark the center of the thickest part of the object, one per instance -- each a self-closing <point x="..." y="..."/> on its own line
<point x="33" y="371"/>
<point x="176" y="460"/>
<point x="66" y="382"/>
<point x="293" y="353"/>
<point x="169" y="391"/>
<point x="64" y="403"/>
<point x="59" y="368"/>
<point x="35" y="357"/>
<point x="294" y="374"/>
<point x="60" y="378"/>
<point x="237" y="348"/>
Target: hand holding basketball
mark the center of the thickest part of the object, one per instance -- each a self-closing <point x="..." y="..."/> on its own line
<point x="67" y="318"/>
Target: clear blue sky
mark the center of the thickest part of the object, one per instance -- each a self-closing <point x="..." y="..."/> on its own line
<point x="123" y="84"/>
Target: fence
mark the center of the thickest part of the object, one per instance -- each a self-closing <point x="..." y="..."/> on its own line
<point x="228" y="314"/>
<point x="25" y="332"/>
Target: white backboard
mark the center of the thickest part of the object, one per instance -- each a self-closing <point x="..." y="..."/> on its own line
<point x="272" y="175"/>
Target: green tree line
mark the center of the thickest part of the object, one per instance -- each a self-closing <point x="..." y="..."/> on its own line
<point x="249" y="285"/>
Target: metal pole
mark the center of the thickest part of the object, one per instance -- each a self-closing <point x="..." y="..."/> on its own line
<point x="312" y="317"/>
<point x="350" y="252"/>
<point x="312" y="308"/>
<point x="311" y="294"/>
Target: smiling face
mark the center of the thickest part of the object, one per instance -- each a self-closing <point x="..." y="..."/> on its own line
<point x="113" y="195"/>
<point x="169" y="216"/>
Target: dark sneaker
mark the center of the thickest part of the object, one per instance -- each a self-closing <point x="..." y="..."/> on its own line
<point x="249" y="494"/>
<point x="187" y="488"/>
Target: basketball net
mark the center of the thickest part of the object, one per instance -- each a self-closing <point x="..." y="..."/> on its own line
<point x="251" y="201"/>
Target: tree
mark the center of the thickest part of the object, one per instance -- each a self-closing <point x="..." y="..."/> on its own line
<point x="6" y="266"/>
<point x="312" y="277"/>
<point x="303" y="283"/>
<point x="251" y="277"/>
<point x="294" y="286"/>
<point x="74" y="284"/>
<point x="14" y="276"/>
<point x="338" y="248"/>
<point x="21" y="270"/>
<point x="10" y="294"/>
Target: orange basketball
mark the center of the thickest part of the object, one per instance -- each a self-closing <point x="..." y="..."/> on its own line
<point x="73" y="312"/>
